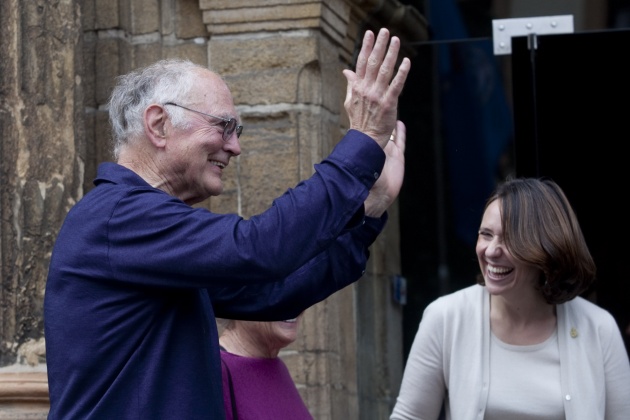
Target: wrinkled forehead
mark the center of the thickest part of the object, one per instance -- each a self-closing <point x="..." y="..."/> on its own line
<point x="212" y="92"/>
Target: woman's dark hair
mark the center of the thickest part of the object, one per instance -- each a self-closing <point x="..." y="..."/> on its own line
<point x="540" y="228"/>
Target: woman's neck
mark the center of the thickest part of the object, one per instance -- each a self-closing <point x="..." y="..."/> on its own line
<point x="522" y="322"/>
<point x="243" y="345"/>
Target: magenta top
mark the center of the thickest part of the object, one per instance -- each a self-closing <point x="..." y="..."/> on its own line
<point x="263" y="389"/>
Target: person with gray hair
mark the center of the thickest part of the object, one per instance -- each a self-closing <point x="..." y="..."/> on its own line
<point x="137" y="274"/>
<point x="254" y="373"/>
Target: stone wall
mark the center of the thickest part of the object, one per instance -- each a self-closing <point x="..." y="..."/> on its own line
<point x="42" y="154"/>
<point x="283" y="61"/>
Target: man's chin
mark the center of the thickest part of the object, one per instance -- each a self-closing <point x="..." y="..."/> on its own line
<point x="215" y="189"/>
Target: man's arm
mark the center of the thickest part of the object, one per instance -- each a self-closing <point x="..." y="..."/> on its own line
<point x="340" y="265"/>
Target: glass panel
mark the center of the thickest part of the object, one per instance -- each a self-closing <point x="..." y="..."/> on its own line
<point x="571" y="118"/>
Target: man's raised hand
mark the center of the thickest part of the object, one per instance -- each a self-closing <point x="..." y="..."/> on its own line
<point x="373" y="89"/>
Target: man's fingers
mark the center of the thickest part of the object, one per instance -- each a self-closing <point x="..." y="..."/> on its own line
<point x="401" y="136"/>
<point x="398" y="138"/>
<point x="387" y="67"/>
<point x="350" y="77"/>
<point x="375" y="60"/>
<point x="398" y="82"/>
<point x="375" y="85"/>
<point x="364" y="54"/>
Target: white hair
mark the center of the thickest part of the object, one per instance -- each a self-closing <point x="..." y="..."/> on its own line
<point x="165" y="81"/>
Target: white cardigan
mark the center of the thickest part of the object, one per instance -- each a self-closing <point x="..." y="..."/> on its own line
<point x="449" y="361"/>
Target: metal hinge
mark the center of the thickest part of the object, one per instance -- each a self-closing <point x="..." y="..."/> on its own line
<point x="504" y="29"/>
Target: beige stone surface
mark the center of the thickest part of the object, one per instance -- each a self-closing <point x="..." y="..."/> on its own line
<point x="88" y="74"/>
<point x="144" y="54"/>
<point x="331" y="17"/>
<point x="23" y="395"/>
<point x="197" y="53"/>
<point x="256" y="54"/>
<point x="106" y="68"/>
<point x="106" y="13"/>
<point x="188" y="20"/>
<point x="88" y="14"/>
<point x="263" y="71"/>
<point x="140" y="16"/>
<point x="42" y="140"/>
<point x="269" y="13"/>
<point x="228" y="201"/>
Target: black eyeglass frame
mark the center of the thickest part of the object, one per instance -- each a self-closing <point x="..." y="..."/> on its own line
<point x="230" y="124"/>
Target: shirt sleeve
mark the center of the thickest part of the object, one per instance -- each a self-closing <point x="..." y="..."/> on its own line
<point x="617" y="374"/>
<point x="338" y="266"/>
<point x="423" y="386"/>
<point x="157" y="240"/>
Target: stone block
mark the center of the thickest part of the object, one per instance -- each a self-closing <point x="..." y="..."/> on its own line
<point x="106" y="14"/>
<point x="235" y="56"/>
<point x="325" y="390"/>
<point x="145" y="54"/>
<point x="103" y="151"/>
<point x="90" y="159"/>
<point x="334" y="83"/>
<point x="107" y="68"/>
<point x="265" y="86"/>
<point x="88" y="75"/>
<point x="344" y="404"/>
<point x="296" y="69"/>
<point x="24" y="395"/>
<point x="140" y="16"/>
<point x="229" y="17"/>
<point x="197" y="53"/>
<point x="228" y="201"/>
<point x="224" y="203"/>
<point x="188" y="20"/>
<point x="241" y="4"/>
<point x="220" y="19"/>
<point x="268" y="164"/>
<point x="88" y="14"/>
<point x="256" y="27"/>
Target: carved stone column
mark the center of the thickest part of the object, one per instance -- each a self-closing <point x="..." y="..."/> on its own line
<point x="41" y="175"/>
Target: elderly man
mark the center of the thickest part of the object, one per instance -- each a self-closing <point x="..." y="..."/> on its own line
<point x="137" y="274"/>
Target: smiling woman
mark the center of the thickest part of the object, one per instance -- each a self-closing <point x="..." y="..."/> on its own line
<point x="254" y="375"/>
<point x="523" y="330"/>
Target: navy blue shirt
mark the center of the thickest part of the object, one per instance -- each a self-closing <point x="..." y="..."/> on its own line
<point x="137" y="277"/>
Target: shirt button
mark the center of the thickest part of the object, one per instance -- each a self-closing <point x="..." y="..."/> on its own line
<point x="375" y="175"/>
<point x="567" y="397"/>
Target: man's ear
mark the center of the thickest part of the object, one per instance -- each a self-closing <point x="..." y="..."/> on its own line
<point x="155" y="124"/>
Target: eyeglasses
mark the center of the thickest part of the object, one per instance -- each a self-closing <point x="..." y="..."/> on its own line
<point x="229" y="125"/>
